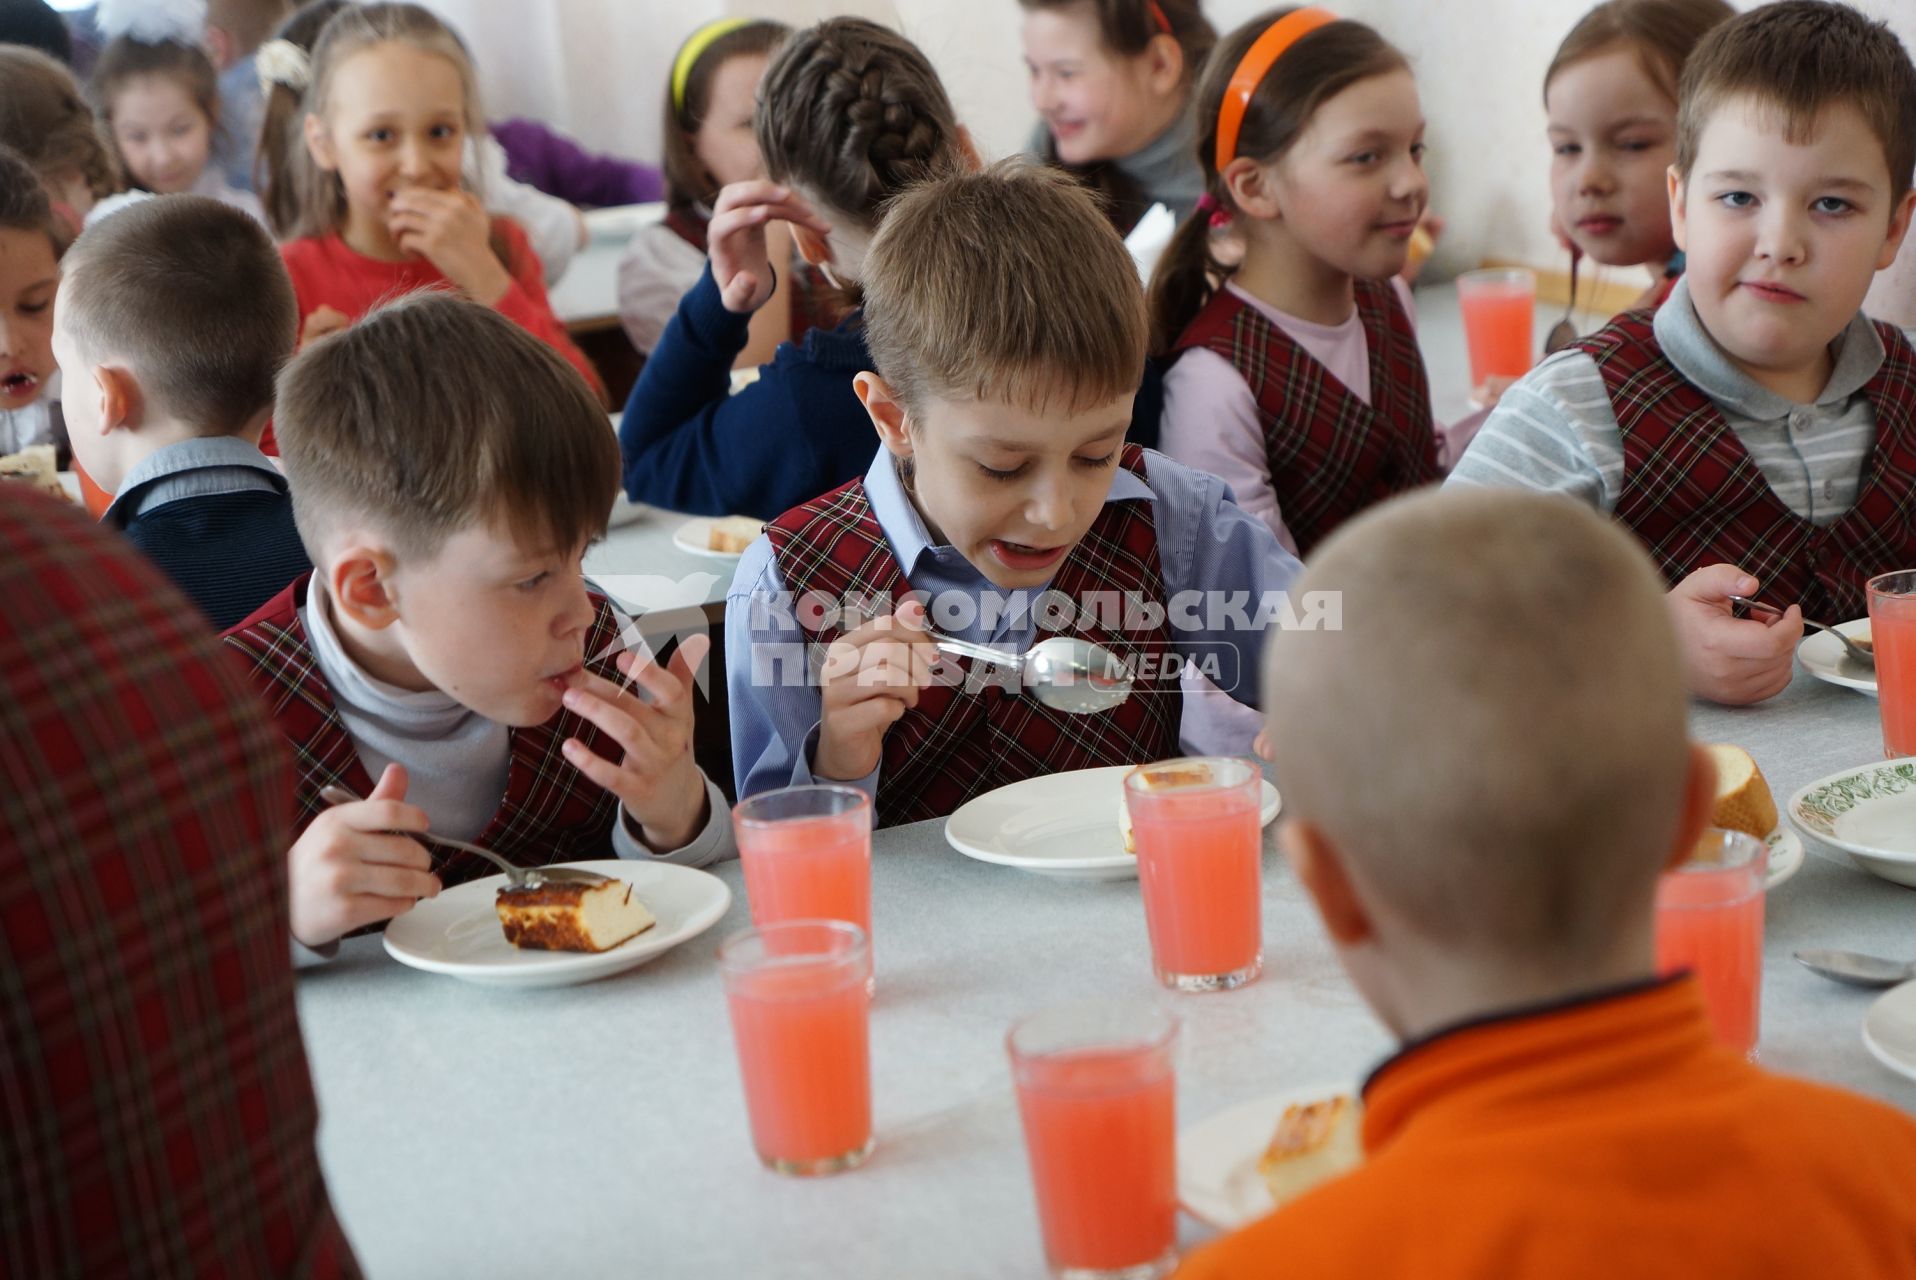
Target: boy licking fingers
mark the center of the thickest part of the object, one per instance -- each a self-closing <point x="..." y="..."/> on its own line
<point x="657" y="780"/>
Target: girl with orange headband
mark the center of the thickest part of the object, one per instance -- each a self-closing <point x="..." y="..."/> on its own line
<point x="1111" y="80"/>
<point x="707" y="145"/>
<point x="1297" y="376"/>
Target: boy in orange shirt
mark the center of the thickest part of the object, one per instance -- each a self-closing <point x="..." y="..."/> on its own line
<point x="1557" y="1110"/>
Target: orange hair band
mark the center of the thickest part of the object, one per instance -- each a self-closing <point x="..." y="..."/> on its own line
<point x="1254" y="66"/>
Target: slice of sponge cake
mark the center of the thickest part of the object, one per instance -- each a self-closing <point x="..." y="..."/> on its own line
<point x="1743" y="799"/>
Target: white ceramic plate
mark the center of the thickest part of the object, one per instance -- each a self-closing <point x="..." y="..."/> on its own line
<point x="617" y="223"/>
<point x="1218" y="1182"/>
<point x="458" y="933"/>
<point x="695" y="536"/>
<point x="1825" y="659"/>
<point x="1869" y="813"/>
<point x="1889" y="1029"/>
<point x="1786" y="855"/>
<point x="1063" y="824"/>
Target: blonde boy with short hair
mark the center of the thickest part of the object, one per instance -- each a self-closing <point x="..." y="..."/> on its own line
<point x="446" y="658"/>
<point x="1557" y="1110"/>
<point x="1007" y="330"/>
<point x="1759" y="434"/>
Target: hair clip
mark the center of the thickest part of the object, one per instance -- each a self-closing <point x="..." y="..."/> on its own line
<point x="282" y="62"/>
<point x="1219" y="214"/>
<point x="152" y="21"/>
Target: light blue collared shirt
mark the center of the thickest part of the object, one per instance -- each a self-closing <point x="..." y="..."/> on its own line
<point x="1218" y="560"/>
<point x="195" y="468"/>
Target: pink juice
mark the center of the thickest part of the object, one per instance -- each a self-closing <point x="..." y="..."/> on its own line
<point x="1200" y="867"/>
<point x="1499" y="324"/>
<point x="809" y="868"/>
<point x="1892" y="632"/>
<point x="1710" y="921"/>
<point x="1100" y="1131"/>
<point x="805" y="1056"/>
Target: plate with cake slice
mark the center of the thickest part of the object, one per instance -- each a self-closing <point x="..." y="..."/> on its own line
<point x="723" y="537"/>
<point x="558" y="934"/>
<point x="1071" y="825"/>
<point x="1240" y="1164"/>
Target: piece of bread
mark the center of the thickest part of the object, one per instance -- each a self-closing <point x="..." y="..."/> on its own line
<point x="733" y="534"/>
<point x="34" y="465"/>
<point x="1155" y="776"/>
<point x="1314" y="1142"/>
<point x="564" y="916"/>
<point x="1743" y="799"/>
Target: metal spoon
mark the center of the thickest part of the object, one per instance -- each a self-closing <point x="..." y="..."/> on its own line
<point x="1564" y="332"/>
<point x="1856" y="969"/>
<point x="1066" y="673"/>
<point x="1861" y="650"/>
<point x="517" y="877"/>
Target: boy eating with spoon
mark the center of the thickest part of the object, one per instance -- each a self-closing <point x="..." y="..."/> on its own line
<point x="1758" y="434"/>
<point x="448" y="471"/>
<point x="1007" y="330"/>
<point x="1557" y="1109"/>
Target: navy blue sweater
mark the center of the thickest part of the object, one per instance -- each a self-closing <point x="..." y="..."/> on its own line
<point x="797" y="432"/>
<point x="229" y="552"/>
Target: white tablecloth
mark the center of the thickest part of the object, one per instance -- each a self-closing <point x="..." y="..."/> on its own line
<point x="601" y="1131"/>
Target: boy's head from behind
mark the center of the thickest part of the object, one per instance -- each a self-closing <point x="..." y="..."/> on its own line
<point x="1486" y="767"/>
<point x="174" y="318"/>
<point x="448" y="471"/>
<point x="1006" y="323"/>
<point x="1796" y="137"/>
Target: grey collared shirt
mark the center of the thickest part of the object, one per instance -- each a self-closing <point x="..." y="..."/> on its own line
<point x="1556" y="431"/>
<point x="196" y="468"/>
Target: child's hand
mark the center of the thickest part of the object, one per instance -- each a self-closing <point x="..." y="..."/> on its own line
<point x="870" y="678"/>
<point x="657" y="781"/>
<point x="451" y="230"/>
<point x="1261" y="744"/>
<point x="320" y="321"/>
<point x="735" y="239"/>
<point x="1727" y="659"/>
<point x="1486" y="395"/>
<point x="347" y="869"/>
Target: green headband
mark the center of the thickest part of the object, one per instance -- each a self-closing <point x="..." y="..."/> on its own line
<point x="694" y="48"/>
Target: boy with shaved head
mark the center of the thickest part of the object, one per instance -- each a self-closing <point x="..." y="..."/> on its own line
<point x="1557" y="1109"/>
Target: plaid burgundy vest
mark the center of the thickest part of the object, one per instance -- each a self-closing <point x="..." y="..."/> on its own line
<point x="1693" y="495"/>
<point x="550" y="813"/>
<point x="1331" y="455"/>
<point x="956" y="744"/>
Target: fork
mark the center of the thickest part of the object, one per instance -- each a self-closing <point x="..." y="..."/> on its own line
<point x="517" y="877"/>
<point x="1865" y="656"/>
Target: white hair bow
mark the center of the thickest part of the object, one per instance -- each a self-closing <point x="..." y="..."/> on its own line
<point x="283" y="62"/>
<point x="153" y="21"/>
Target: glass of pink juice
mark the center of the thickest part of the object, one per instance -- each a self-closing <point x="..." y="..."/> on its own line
<point x="1499" y="309"/>
<point x="1710" y="921"/>
<point x="807" y="854"/>
<point x="1200" y="867"/>
<point x="1098" y="1096"/>
<point x="800" y="1017"/>
<point x="1892" y="634"/>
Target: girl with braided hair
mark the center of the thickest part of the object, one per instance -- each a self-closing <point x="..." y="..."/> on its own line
<point x="850" y="114"/>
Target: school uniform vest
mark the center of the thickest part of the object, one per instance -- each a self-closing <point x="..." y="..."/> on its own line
<point x="550" y="813"/>
<point x="1331" y="455"/>
<point x="1694" y="496"/>
<point x="956" y="744"/>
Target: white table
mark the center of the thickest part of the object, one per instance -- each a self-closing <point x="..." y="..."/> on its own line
<point x="454" y="1115"/>
<point x="586" y="297"/>
<point x="639" y="565"/>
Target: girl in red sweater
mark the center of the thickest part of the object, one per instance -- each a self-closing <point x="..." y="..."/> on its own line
<point x="391" y="100"/>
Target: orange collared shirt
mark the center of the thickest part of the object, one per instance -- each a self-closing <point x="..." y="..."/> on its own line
<point x="1602" y="1139"/>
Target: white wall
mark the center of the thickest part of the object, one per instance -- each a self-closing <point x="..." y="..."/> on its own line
<point x="596" y="67"/>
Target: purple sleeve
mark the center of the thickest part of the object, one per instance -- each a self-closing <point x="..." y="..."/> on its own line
<point x="560" y="167"/>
